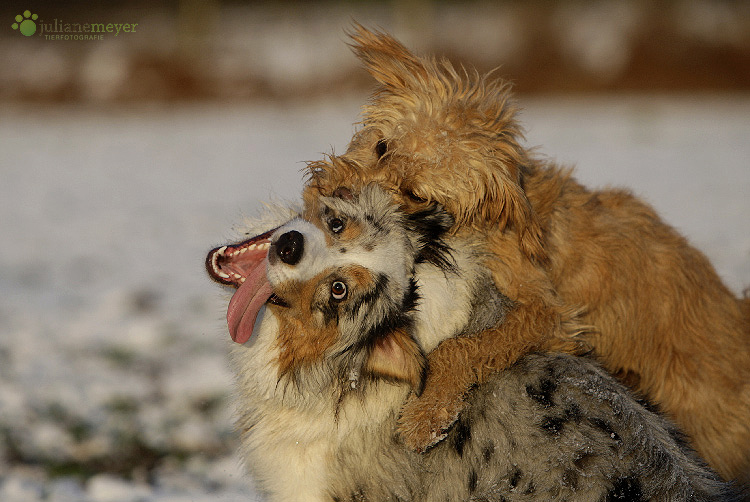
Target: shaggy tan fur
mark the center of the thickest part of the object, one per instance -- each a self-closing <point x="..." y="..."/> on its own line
<point x="664" y="321"/>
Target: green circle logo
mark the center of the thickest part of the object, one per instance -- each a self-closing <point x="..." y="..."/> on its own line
<point x="25" y="23"/>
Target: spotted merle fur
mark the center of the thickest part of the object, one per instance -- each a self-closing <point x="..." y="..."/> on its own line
<point x="542" y="392"/>
<point x="606" y="428"/>
<point x="552" y="425"/>
<point x="460" y="436"/>
<point x="487" y="451"/>
<point x="514" y="478"/>
<point x="626" y="489"/>
<point x="472" y="482"/>
<point x="599" y="444"/>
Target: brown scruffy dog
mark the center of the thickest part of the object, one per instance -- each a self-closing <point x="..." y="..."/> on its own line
<point x="567" y="256"/>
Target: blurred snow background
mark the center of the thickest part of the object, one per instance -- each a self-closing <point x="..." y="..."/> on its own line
<point x="121" y="165"/>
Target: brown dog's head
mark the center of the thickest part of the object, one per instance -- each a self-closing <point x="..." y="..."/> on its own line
<point x="432" y="134"/>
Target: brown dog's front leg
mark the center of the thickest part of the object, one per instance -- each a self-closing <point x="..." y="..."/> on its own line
<point x="455" y="366"/>
<point x="424" y="420"/>
<point x="460" y="363"/>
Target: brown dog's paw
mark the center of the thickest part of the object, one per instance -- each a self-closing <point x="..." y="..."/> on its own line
<point x="425" y="421"/>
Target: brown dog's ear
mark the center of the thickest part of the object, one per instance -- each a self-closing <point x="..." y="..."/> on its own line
<point x="397" y="356"/>
<point x="385" y="58"/>
<point x="507" y="205"/>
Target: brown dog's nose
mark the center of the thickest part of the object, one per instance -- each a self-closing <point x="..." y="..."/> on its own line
<point x="289" y="247"/>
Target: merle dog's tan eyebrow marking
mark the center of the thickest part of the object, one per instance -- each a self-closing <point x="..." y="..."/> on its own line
<point x="309" y="325"/>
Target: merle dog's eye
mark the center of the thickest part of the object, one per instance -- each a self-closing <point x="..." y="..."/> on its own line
<point x="336" y="225"/>
<point x="381" y="148"/>
<point x="338" y="290"/>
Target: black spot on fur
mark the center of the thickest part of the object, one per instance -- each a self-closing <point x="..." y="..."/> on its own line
<point x="680" y="438"/>
<point x="488" y="450"/>
<point x="411" y="298"/>
<point x="342" y="250"/>
<point x="649" y="405"/>
<point x="606" y="428"/>
<point x="625" y="489"/>
<point x="570" y="478"/>
<point x="473" y="479"/>
<point x="573" y="412"/>
<point x="359" y="496"/>
<point x="430" y="225"/>
<point x="461" y="436"/>
<point x="553" y="425"/>
<point x="515" y="478"/>
<point x="530" y="489"/>
<point x="543" y="393"/>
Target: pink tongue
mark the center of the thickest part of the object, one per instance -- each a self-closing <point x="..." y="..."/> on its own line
<point x="247" y="302"/>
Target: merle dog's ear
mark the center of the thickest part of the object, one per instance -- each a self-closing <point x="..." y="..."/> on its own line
<point x="434" y="221"/>
<point x="430" y="226"/>
<point x="398" y="357"/>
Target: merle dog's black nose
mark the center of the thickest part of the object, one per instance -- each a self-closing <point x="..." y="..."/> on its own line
<point x="289" y="246"/>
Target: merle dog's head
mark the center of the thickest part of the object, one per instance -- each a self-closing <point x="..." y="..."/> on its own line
<point x="338" y="284"/>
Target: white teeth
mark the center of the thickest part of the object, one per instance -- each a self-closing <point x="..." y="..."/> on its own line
<point x="260" y="246"/>
<point x="223" y="253"/>
<point x="215" y="265"/>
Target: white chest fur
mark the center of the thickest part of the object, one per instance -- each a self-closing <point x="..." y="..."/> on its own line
<point x="289" y="441"/>
<point x="445" y="301"/>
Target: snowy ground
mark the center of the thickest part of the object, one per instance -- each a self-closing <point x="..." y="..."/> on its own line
<point x="113" y="379"/>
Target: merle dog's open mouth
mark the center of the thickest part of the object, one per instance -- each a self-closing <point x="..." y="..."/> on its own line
<point x="231" y="264"/>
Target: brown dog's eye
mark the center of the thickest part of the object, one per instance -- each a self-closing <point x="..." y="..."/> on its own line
<point x="414" y="197"/>
<point x="343" y="193"/>
<point x="381" y="148"/>
<point x="338" y="290"/>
